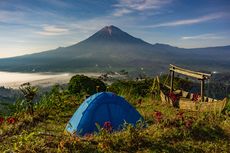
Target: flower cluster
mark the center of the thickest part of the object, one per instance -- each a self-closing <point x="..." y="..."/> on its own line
<point x="183" y="121"/>
<point x="10" y="120"/>
<point x="108" y="126"/>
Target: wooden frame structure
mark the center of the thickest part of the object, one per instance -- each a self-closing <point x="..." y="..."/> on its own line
<point x="198" y="75"/>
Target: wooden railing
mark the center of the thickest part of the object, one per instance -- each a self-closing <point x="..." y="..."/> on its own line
<point x="199" y="75"/>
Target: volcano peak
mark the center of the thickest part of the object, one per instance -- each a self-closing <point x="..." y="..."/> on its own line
<point x="113" y="34"/>
<point x="110" y="30"/>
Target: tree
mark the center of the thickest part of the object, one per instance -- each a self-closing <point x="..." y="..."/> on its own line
<point x="83" y="84"/>
<point x="29" y="92"/>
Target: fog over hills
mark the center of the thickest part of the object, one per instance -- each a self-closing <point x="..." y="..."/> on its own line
<point x="112" y="48"/>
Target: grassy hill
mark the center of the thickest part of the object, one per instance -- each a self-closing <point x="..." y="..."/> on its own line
<point x="168" y="129"/>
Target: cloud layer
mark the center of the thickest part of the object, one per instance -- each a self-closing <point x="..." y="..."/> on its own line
<point x="203" y="37"/>
<point x="128" y="6"/>
<point x="52" y="30"/>
<point x="189" y="21"/>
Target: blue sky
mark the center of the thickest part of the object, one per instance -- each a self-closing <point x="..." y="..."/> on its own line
<point x="28" y="26"/>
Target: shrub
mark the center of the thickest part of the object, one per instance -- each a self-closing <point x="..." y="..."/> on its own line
<point x="29" y="93"/>
<point x="83" y="84"/>
<point x="137" y="88"/>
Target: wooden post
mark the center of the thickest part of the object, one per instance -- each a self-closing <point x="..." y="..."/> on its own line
<point x="202" y="90"/>
<point x="171" y="83"/>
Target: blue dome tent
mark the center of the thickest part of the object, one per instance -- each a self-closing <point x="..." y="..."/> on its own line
<point x="100" y="108"/>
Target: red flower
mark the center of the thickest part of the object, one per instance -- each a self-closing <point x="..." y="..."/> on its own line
<point x="108" y="126"/>
<point x="1" y="120"/>
<point x="173" y="97"/>
<point x="188" y="124"/>
<point x="11" y="120"/>
<point x="158" y="116"/>
<point x="195" y="97"/>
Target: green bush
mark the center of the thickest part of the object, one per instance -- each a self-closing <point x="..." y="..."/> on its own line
<point x="137" y="88"/>
<point x="144" y="87"/>
<point x="83" y="84"/>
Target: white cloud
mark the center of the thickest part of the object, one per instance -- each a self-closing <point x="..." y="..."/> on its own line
<point x="128" y="6"/>
<point x="203" y="37"/>
<point x="189" y="21"/>
<point x="121" y="12"/>
<point x="52" y="30"/>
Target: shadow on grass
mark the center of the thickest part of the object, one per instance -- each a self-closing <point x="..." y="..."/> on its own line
<point x="208" y="133"/>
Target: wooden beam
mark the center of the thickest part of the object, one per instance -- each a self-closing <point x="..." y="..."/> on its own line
<point x="194" y="74"/>
<point x="201" y="73"/>
<point x="187" y="73"/>
<point x="202" y="90"/>
<point x="171" y="82"/>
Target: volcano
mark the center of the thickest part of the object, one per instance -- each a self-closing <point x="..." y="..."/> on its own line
<point x="112" y="48"/>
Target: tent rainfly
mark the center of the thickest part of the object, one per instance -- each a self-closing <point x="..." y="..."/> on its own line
<point x="101" y="108"/>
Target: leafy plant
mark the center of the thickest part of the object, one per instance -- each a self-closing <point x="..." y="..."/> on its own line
<point x="83" y="84"/>
<point x="29" y="93"/>
<point x="136" y="88"/>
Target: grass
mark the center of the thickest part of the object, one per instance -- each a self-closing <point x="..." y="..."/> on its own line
<point x="174" y="131"/>
<point x="6" y="108"/>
